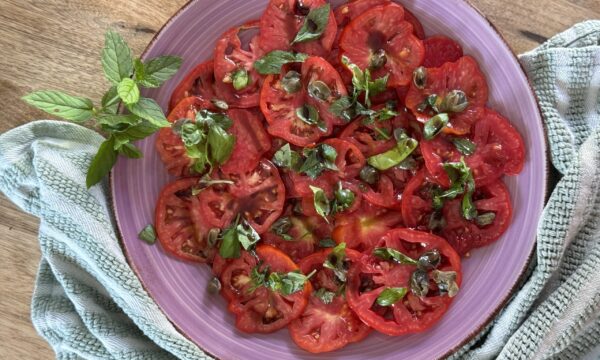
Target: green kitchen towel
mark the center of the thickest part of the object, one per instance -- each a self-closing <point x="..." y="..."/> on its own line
<point x="89" y="304"/>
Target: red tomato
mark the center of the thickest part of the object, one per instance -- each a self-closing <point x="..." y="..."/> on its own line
<point x="308" y="204"/>
<point x="370" y="276"/>
<point x="385" y="194"/>
<point x="198" y="82"/>
<point x="298" y="186"/>
<point x="414" y="21"/>
<point x="465" y="235"/>
<point x="349" y="160"/>
<point x="305" y="233"/>
<point x="231" y="57"/>
<point x="416" y="201"/>
<point x="180" y="232"/>
<point x="325" y="327"/>
<point x="383" y="29"/>
<point x="318" y="69"/>
<point x="282" y="20"/>
<point x="436" y="152"/>
<point x="258" y="195"/>
<point x="439" y="50"/>
<point x="463" y="75"/>
<point x="368" y="138"/>
<point x="261" y="310"/>
<point x="363" y="229"/>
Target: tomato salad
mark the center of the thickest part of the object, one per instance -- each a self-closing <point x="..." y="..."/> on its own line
<point x="333" y="170"/>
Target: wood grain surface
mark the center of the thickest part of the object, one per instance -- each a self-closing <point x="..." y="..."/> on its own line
<point x="51" y="44"/>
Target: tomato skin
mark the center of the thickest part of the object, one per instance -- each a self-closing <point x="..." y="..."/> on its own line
<point x="439" y="50"/>
<point x="317" y="68"/>
<point x="326" y="327"/>
<point x="349" y="161"/>
<point x="385" y="194"/>
<point x="199" y="82"/>
<point x="179" y="230"/>
<point x="281" y="21"/>
<point x="416" y="24"/>
<point x="464" y="75"/>
<point x="412" y="314"/>
<point x="466" y="235"/>
<point x="404" y="51"/>
<point x="365" y="137"/>
<point x="416" y="206"/>
<point x="436" y="152"/>
<point x="308" y="207"/>
<point x="262" y="310"/>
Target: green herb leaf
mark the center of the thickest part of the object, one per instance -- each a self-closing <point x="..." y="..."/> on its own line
<point x="378" y="86"/>
<point x="116" y="58"/>
<point x="318" y="159"/>
<point x="391" y="295"/>
<point x="327" y="243"/>
<point x="435" y="125"/>
<point x="325" y="295"/>
<point x="241" y="78"/>
<point x="387" y="160"/>
<point x="149" y="110"/>
<point x="343" y="108"/>
<point x="110" y="101"/>
<point x="461" y="182"/>
<point x="221" y="144"/>
<point x="148" y="234"/>
<point x="293" y="282"/>
<point x="59" y="104"/>
<point x="321" y="203"/>
<point x="395" y="255"/>
<point x="117" y="122"/>
<point x="128" y="91"/>
<point x="246" y="235"/>
<point x="230" y="246"/>
<point x="281" y="227"/>
<point x="314" y="24"/>
<point x="104" y="160"/>
<point x="131" y="151"/>
<point x="464" y="146"/>
<point x="273" y="61"/>
<point x="336" y="261"/>
<point x="160" y="69"/>
<point x="287" y="158"/>
<point x="138" y="131"/>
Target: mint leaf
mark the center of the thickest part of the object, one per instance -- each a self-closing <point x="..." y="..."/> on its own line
<point x="162" y="68"/>
<point x="115" y="121"/>
<point x="110" y="101"/>
<point x="139" y="131"/>
<point x="104" y="160"/>
<point x="59" y="104"/>
<point x="149" y="110"/>
<point x="131" y="151"/>
<point x="336" y="262"/>
<point x="116" y="58"/>
<point x="128" y="91"/>
<point x="273" y="61"/>
<point x="314" y="24"/>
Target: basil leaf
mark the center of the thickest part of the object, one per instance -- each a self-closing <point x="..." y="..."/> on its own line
<point x="246" y="235"/>
<point x="395" y="255"/>
<point x="110" y="101"/>
<point x="274" y="60"/>
<point x="318" y="159"/>
<point x="329" y="154"/>
<point x="160" y="69"/>
<point x="131" y="151"/>
<point x="390" y="296"/>
<point x="149" y="110"/>
<point x="358" y="76"/>
<point x="387" y="160"/>
<point x="336" y="261"/>
<point x="342" y="108"/>
<point x="116" y="58"/>
<point x="221" y="144"/>
<point x="258" y="277"/>
<point x="446" y="282"/>
<point x="59" y="104"/>
<point x="314" y="24"/>
<point x="287" y="158"/>
<point x="293" y="282"/>
<point x="101" y="164"/>
<point x="128" y="91"/>
<point x="378" y="86"/>
<point x="464" y="146"/>
<point x="327" y="243"/>
<point x="281" y="227"/>
<point x="485" y="219"/>
<point x="469" y="211"/>
<point x="148" y="234"/>
<point x="321" y="203"/>
<point x="435" y="125"/>
<point x="230" y="246"/>
<point x="325" y="295"/>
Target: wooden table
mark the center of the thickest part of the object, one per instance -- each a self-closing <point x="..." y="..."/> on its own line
<point x="51" y="44"/>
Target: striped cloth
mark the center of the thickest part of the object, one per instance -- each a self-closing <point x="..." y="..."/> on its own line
<point x="89" y="304"/>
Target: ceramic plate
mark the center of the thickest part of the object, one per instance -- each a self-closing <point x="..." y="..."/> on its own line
<point x="490" y="274"/>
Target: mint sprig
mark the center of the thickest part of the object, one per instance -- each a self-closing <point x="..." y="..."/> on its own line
<point x="126" y="76"/>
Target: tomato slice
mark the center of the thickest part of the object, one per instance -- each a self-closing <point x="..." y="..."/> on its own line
<point x="416" y="202"/>
<point x="414" y="21"/>
<point x="308" y="204"/>
<point x="179" y="231"/>
<point x="439" y="50"/>
<point x="463" y="75"/>
<point x="384" y="194"/>
<point x="370" y="276"/>
<point x="466" y="235"/>
<point x="281" y="21"/>
<point x="298" y="186"/>
<point x="363" y="229"/>
<point x="318" y="69"/>
<point x="262" y="310"/>
<point x="198" y="82"/>
<point x="257" y="195"/>
<point x="383" y="29"/>
<point x="304" y="235"/>
<point x="436" y="152"/>
<point x="349" y="161"/>
<point x="324" y="326"/>
<point x="230" y="57"/>
<point x="368" y="137"/>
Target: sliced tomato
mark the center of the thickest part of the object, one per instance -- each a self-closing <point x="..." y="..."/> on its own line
<point x="463" y="75"/>
<point x="349" y="161"/>
<point x="261" y="310"/>
<point x="304" y="235"/>
<point x="363" y="229"/>
<point x="436" y="152"/>
<point x="414" y="21"/>
<point x="198" y="82"/>
<point x="346" y="12"/>
<point x="179" y="231"/>
<point x="466" y="235"/>
<point x="324" y="326"/>
<point x="231" y="57"/>
<point x="384" y="194"/>
<point x="318" y="69"/>
<point x="308" y="204"/>
<point x="439" y="50"/>
<point x="383" y="29"/>
<point x="417" y="201"/>
<point x="282" y="20"/>
<point x="257" y="195"/>
<point x="369" y="138"/>
<point x="370" y="276"/>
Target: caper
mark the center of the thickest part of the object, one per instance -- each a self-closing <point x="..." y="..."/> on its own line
<point x="344" y="197"/>
<point x="319" y="90"/>
<point x="430" y="260"/>
<point x="369" y="174"/>
<point x="435" y="125"/>
<point x="455" y="101"/>
<point x="213" y="236"/>
<point x="214" y="285"/>
<point x="378" y="59"/>
<point x="241" y="78"/>
<point x="419" y="283"/>
<point x="297" y="209"/>
<point x="309" y="114"/>
<point x="291" y="82"/>
<point x="446" y="282"/>
<point x="420" y="77"/>
<point x="220" y="104"/>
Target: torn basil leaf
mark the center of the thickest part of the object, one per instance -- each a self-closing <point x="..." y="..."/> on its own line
<point x="148" y="234"/>
<point x="391" y="295"/>
<point x="394" y="255"/>
<point x="318" y="159"/>
<point x="325" y="295"/>
<point x="274" y="60"/>
<point x="336" y="262"/>
<point x="387" y="160"/>
<point x="321" y="202"/>
<point x="287" y="158"/>
<point x="239" y="234"/>
<point x="464" y="146"/>
<point x="314" y="24"/>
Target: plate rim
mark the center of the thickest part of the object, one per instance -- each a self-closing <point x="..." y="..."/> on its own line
<point x="484" y="322"/>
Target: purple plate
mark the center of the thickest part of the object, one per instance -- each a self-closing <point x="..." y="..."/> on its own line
<point x="490" y="275"/>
